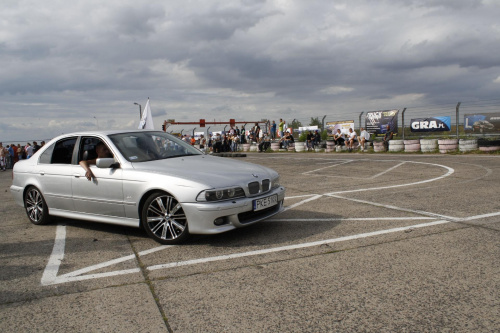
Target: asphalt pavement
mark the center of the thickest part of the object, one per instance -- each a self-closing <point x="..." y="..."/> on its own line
<point x="367" y="243"/>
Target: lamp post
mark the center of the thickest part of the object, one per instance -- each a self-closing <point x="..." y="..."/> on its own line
<point x="140" y="110"/>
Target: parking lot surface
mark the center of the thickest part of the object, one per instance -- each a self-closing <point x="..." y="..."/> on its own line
<point x="367" y="242"/>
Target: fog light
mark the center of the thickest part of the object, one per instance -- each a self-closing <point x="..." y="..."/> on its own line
<point x="219" y="221"/>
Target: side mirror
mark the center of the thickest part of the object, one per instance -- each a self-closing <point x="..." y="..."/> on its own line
<point x="105" y="163"/>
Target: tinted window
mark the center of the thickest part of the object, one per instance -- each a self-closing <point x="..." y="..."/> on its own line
<point x="63" y="151"/>
<point x="46" y="157"/>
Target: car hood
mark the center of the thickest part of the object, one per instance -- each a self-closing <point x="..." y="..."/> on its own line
<point x="209" y="170"/>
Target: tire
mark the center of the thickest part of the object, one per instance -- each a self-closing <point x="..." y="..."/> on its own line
<point x="467" y="142"/>
<point x="447" y="141"/>
<point x="163" y="219"/>
<point x="428" y="142"/>
<point x="35" y="206"/>
<point x="490" y="149"/>
<point x="412" y="147"/>
<point x="412" y="142"/>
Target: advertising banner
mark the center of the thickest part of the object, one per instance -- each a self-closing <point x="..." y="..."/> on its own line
<point x="433" y="124"/>
<point x="377" y="121"/>
<point x="197" y="135"/>
<point x="344" y="125"/>
<point x="482" y="123"/>
<point x="307" y="128"/>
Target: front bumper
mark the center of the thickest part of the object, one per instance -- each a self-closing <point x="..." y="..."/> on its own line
<point x="235" y="213"/>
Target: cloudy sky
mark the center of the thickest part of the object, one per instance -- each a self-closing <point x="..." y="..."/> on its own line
<point x="79" y="64"/>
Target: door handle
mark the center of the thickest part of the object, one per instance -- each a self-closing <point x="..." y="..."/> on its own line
<point x="77" y="175"/>
<point x="42" y="173"/>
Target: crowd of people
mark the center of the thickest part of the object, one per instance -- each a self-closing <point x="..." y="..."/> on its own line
<point x="11" y="154"/>
<point x="230" y="141"/>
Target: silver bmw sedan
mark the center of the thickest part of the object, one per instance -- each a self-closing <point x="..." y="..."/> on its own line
<point x="147" y="179"/>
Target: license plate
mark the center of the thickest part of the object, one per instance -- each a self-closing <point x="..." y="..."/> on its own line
<point x="266" y="202"/>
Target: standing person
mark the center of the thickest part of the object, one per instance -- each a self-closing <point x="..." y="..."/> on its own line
<point x="203" y="142"/>
<point x="364" y="137"/>
<point x="3" y="153"/>
<point x="338" y="138"/>
<point x="243" y="138"/>
<point x="281" y="127"/>
<point x="352" y="138"/>
<point x="35" y="147"/>
<point x="29" y="150"/>
<point x="273" y="130"/>
<point x="10" y="157"/>
<point x="256" y="132"/>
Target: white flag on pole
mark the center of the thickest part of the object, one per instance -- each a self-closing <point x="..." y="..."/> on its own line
<point x="147" y="118"/>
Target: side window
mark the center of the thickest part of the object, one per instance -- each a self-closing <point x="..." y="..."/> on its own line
<point x="63" y="151"/>
<point x="88" y="148"/>
<point x="46" y="157"/>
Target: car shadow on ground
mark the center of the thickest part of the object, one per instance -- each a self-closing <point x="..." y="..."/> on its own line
<point x="273" y="231"/>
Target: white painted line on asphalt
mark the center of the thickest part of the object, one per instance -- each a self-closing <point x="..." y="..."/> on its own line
<point x="50" y="272"/>
<point x="414" y="211"/>
<point x="449" y="173"/>
<point x="301" y="196"/>
<point x="330" y="166"/>
<point x="113" y="262"/>
<point x="333" y="219"/>
<point x="386" y="171"/>
<point x="302" y="202"/>
<point x="292" y="247"/>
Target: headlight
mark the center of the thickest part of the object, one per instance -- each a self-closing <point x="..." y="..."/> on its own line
<point x="221" y="194"/>
<point x="275" y="182"/>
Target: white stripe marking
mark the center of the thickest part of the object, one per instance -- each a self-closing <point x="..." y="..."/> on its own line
<point x="50" y="272"/>
<point x="292" y="247"/>
<point x="303" y="202"/>
<point x="386" y="171"/>
<point x="353" y="219"/>
<point x="450" y="172"/>
<point x="419" y="212"/>
<point x="330" y="166"/>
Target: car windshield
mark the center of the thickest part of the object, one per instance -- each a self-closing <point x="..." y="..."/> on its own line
<point x="150" y="146"/>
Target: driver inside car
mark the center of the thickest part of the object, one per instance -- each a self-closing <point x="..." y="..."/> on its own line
<point x="102" y="152"/>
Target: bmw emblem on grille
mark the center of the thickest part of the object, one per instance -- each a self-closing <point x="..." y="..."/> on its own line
<point x="256" y="176"/>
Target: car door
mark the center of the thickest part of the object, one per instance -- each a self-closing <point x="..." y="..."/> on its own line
<point x="54" y="171"/>
<point x="102" y="195"/>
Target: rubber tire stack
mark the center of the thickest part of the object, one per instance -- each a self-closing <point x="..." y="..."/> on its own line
<point x="467" y="145"/>
<point x="396" y="145"/>
<point x="489" y="146"/>
<point x="447" y="145"/>
<point x="412" y="146"/>
<point x="275" y="146"/>
<point x="428" y="145"/>
<point x="378" y="146"/>
<point x="330" y="146"/>
<point x="299" y="147"/>
<point x="254" y="148"/>
<point x="291" y="147"/>
<point x="246" y="146"/>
